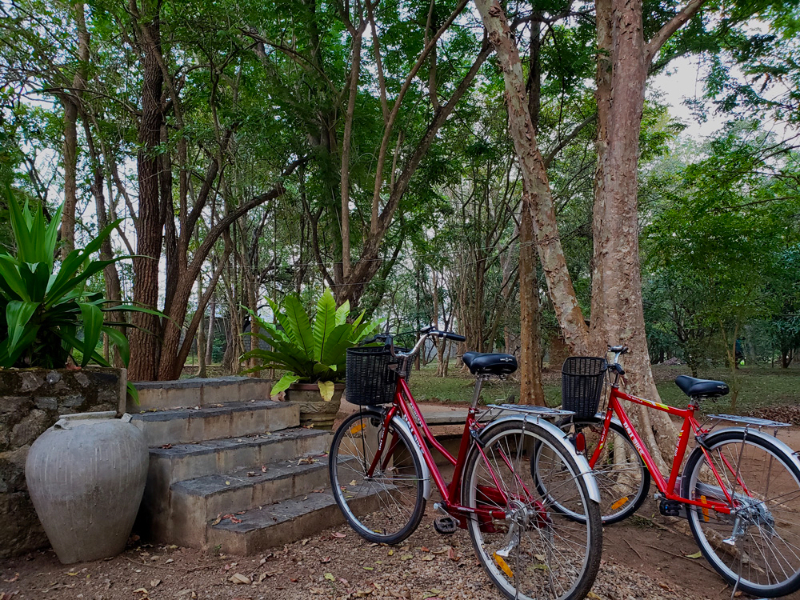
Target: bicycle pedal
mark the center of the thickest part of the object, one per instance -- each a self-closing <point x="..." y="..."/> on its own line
<point x="445" y="525"/>
<point x="669" y="508"/>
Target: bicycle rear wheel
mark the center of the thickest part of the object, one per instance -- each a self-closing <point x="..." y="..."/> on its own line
<point x="757" y="546"/>
<point x="387" y="506"/>
<point x="535" y="552"/>
<point x="619" y="471"/>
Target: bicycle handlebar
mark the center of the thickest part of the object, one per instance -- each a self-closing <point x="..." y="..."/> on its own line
<point x="426" y="332"/>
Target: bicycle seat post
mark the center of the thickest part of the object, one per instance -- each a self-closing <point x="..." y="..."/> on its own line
<point x="479" y="379"/>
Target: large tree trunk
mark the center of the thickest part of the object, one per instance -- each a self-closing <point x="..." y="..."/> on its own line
<point x="617" y="309"/>
<point x="144" y="341"/>
<point x="545" y="228"/>
<point x="619" y="316"/>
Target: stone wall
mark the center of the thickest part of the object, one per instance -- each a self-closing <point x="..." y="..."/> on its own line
<point x="31" y="400"/>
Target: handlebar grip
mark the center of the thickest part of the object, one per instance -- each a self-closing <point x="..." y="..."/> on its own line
<point x="381" y="337"/>
<point x="454" y="336"/>
<point x="449" y="335"/>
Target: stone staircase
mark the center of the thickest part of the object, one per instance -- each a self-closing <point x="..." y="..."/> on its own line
<point x="240" y="476"/>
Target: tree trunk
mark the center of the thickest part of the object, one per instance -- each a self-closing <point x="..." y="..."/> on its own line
<point x="617" y="310"/>
<point x="531" y="391"/>
<point x="71" y="106"/>
<point x="209" y="350"/>
<point x="145" y="341"/>
<point x="201" y="336"/>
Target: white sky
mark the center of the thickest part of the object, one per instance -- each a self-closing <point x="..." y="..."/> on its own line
<point x="681" y="81"/>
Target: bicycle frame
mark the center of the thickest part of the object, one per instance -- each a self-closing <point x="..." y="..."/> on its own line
<point x="404" y="405"/>
<point x="690" y="425"/>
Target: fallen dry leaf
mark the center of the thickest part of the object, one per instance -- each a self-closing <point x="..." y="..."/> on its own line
<point x="339" y="535"/>
<point x="327" y="559"/>
<point x="14" y="578"/>
<point x="240" y="579"/>
<point x="263" y="468"/>
<point x="167" y="446"/>
<point x="330" y="577"/>
<point x="451" y="554"/>
<point x="154" y="583"/>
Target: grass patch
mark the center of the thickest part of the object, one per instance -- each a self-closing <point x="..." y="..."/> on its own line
<point x="760" y="386"/>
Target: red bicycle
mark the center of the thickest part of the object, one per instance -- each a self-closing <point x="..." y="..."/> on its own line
<point x="381" y="467"/>
<point x="739" y="488"/>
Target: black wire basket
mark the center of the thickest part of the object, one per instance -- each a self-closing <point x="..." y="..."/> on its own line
<point x="582" y="380"/>
<point x="372" y="374"/>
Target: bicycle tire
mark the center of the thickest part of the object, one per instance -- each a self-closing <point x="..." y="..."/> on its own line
<point x="757" y="507"/>
<point x="385" y="508"/>
<point x="618" y="499"/>
<point x="579" y="551"/>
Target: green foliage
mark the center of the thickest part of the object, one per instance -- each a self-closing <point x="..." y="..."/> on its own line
<point x="311" y="353"/>
<point x="44" y="305"/>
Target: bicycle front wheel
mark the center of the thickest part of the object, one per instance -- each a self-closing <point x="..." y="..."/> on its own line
<point x="380" y="491"/>
<point x="757" y="546"/>
<point x="529" y="549"/>
<point x="619" y="471"/>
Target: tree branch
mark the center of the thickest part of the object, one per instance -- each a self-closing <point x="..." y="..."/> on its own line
<point x="568" y="140"/>
<point x="678" y="21"/>
<point x="186" y="347"/>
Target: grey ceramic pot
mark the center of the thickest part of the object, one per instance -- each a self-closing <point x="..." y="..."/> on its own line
<point x="86" y="475"/>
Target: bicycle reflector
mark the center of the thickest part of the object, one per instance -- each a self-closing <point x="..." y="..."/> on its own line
<point x="579" y="441"/>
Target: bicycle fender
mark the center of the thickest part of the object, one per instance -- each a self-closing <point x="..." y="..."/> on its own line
<point x="752" y="433"/>
<point x="562" y="437"/>
<point x="401" y="424"/>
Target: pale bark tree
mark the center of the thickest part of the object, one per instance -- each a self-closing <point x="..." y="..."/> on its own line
<point x="534" y="173"/>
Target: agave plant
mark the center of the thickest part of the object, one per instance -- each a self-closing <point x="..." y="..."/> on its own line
<point x="44" y="305"/>
<point x="310" y="353"/>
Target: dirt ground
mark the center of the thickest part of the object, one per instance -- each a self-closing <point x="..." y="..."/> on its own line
<point x="645" y="557"/>
<point x="641" y="561"/>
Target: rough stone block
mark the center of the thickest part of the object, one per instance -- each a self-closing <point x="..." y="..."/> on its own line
<point x="31" y="427"/>
<point x="46" y="402"/>
<point x="30" y="381"/>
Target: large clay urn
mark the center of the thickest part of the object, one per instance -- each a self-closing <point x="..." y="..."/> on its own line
<point x="86" y="475"/>
<point x="314" y="410"/>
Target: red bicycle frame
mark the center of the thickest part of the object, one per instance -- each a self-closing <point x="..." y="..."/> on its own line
<point x="690" y="424"/>
<point x="404" y="405"/>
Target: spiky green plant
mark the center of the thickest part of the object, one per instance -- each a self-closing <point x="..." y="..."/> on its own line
<point x="310" y="353"/>
<point x="44" y="305"/>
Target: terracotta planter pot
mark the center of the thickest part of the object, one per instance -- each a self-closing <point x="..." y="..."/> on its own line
<point x="313" y="409"/>
<point x="86" y="475"/>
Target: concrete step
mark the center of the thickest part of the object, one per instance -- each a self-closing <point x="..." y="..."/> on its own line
<point x="282" y="523"/>
<point x="196" y="502"/>
<point x="185" y="393"/>
<point x="191" y="461"/>
<point x="184" y="426"/>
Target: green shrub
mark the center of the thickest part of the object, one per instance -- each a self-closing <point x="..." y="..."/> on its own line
<point x="309" y="353"/>
<point x="44" y="305"/>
